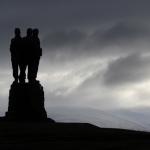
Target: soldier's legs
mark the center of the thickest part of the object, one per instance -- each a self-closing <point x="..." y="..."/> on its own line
<point x="15" y="68"/>
<point x="36" y="67"/>
<point x="22" y="75"/>
<point x="32" y="70"/>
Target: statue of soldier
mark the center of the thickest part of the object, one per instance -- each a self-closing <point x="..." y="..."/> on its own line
<point x="34" y="57"/>
<point x="27" y="47"/>
<point x="15" y="48"/>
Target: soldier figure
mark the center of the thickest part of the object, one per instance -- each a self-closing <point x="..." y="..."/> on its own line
<point x="25" y="55"/>
<point x="15" y="47"/>
<point x="34" y="57"/>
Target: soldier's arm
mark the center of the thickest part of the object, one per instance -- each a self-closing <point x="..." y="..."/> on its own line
<point x="40" y="49"/>
<point x="12" y="45"/>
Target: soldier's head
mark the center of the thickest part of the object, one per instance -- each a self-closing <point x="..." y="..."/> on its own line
<point x="35" y="32"/>
<point x="29" y="32"/>
<point x="17" y="32"/>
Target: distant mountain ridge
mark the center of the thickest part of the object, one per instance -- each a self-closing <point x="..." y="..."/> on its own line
<point x="96" y="117"/>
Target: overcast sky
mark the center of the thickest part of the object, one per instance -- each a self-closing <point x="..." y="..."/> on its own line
<point x="96" y="53"/>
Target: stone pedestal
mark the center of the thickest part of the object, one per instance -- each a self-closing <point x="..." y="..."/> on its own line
<point x="26" y="102"/>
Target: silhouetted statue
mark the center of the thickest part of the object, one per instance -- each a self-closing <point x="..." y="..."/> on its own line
<point x="25" y="52"/>
<point x="15" y="48"/>
<point x="34" y="56"/>
<point x="27" y="48"/>
<point x="26" y="100"/>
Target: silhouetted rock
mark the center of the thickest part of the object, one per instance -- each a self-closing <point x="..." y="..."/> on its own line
<point x="26" y="102"/>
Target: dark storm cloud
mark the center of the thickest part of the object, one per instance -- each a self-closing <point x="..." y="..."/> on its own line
<point x="60" y="39"/>
<point x="125" y="70"/>
<point x="124" y="35"/>
<point x="51" y="15"/>
<point x="70" y="13"/>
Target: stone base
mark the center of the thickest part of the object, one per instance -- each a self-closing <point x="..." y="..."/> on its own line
<point x="26" y="102"/>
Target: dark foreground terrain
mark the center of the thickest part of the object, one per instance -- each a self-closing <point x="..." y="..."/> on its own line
<point x="48" y="135"/>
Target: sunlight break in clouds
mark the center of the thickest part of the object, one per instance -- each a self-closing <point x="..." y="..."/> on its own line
<point x="66" y="81"/>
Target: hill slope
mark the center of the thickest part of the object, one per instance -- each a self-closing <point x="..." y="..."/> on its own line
<point x="46" y="135"/>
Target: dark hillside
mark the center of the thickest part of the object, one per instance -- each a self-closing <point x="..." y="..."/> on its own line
<point x="47" y="135"/>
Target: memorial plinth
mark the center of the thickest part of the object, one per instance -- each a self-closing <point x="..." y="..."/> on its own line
<point x="26" y="102"/>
